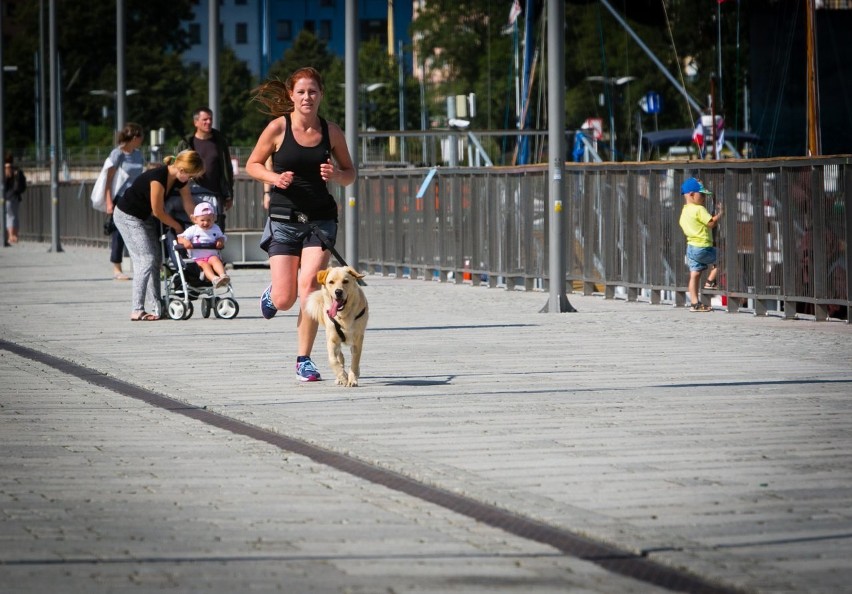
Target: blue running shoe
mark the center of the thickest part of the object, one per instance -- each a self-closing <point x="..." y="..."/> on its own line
<point x="306" y="371"/>
<point x="266" y="308"/>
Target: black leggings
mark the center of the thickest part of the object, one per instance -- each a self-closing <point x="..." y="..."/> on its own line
<point x="116" y="247"/>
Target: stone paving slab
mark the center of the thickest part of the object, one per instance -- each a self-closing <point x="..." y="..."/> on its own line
<point x="715" y="442"/>
<point x="100" y="493"/>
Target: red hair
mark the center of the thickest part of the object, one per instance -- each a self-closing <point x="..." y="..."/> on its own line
<point x="274" y="95"/>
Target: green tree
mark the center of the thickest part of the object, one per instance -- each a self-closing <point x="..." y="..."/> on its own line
<point x="375" y="65"/>
<point x="464" y="44"/>
<point x="86" y="48"/>
<point x="597" y="46"/>
<point x="464" y="41"/>
<point x="238" y="119"/>
<point x="377" y="74"/>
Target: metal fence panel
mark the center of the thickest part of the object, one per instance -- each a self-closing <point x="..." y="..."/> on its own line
<point x="783" y="241"/>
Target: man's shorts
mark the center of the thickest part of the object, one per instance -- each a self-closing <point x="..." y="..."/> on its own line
<point x="699" y="258"/>
<point x="289" y="239"/>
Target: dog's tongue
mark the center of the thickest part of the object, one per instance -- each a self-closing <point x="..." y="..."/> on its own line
<point x="335" y="307"/>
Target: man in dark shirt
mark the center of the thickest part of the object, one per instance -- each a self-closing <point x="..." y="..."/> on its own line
<point x="218" y="178"/>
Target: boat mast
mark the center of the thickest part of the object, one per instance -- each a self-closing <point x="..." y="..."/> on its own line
<point x="814" y="136"/>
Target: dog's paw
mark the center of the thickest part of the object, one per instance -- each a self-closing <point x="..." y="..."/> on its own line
<point x="348" y="381"/>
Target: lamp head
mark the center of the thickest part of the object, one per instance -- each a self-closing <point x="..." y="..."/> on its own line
<point x="459" y="124"/>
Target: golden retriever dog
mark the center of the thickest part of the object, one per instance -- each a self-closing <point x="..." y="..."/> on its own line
<point x="341" y="306"/>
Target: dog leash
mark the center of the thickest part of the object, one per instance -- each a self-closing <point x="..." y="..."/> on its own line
<point x="324" y="240"/>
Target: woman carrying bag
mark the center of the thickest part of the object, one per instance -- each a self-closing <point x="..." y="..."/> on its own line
<point x="127" y="157"/>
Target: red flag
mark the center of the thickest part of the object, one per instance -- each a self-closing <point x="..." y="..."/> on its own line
<point x="698" y="135"/>
<point x="703" y="129"/>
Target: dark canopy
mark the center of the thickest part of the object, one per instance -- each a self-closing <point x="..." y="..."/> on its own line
<point x="684" y="136"/>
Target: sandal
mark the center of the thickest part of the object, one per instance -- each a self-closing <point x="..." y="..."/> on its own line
<point x="700" y="308"/>
<point x="711" y="285"/>
<point x="144" y="317"/>
<point x="120" y="276"/>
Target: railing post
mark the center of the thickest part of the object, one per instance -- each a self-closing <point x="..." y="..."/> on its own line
<point x="820" y="253"/>
<point x="847" y="210"/>
<point x="733" y="268"/>
<point x="788" y="243"/>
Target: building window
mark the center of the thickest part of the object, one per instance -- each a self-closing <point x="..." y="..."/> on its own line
<point x="324" y="30"/>
<point x="284" y="30"/>
<point x="327" y="3"/>
<point x="241" y="33"/>
<point x="194" y="34"/>
<point x="310" y="26"/>
<point x="240" y="2"/>
<point x="374" y="29"/>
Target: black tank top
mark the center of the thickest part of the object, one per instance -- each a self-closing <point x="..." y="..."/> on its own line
<point x="308" y="193"/>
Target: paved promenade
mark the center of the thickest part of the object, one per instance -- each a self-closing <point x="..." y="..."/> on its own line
<point x="627" y="447"/>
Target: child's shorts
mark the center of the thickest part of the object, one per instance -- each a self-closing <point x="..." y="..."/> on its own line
<point x="699" y="258"/>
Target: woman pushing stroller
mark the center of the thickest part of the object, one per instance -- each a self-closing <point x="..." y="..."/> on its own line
<point x="138" y="215"/>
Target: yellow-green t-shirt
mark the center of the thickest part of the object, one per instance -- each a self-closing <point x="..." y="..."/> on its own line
<point x="693" y="221"/>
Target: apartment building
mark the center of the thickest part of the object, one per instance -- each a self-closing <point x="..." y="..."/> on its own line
<point x="260" y="31"/>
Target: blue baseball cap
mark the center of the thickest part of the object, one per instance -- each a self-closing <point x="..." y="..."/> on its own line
<point x="693" y="185"/>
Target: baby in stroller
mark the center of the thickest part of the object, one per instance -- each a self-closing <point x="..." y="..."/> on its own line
<point x="203" y="240"/>
<point x="202" y="276"/>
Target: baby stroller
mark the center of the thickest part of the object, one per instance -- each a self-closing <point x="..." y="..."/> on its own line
<point x="184" y="282"/>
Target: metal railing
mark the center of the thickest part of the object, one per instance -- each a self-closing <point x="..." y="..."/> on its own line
<point x="412" y="148"/>
<point x="783" y="240"/>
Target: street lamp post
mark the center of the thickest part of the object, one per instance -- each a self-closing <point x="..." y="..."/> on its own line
<point x="367" y="89"/>
<point x="114" y="95"/>
<point x="364" y="89"/>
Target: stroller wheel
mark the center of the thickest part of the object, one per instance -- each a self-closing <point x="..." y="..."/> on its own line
<point x="226" y="308"/>
<point x="205" y="308"/>
<point x="178" y="310"/>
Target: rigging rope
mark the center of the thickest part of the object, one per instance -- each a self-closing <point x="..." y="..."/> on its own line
<point x="845" y="97"/>
<point x="737" y="77"/>
<point x="791" y="32"/>
<point x="606" y="84"/>
<point x="677" y="61"/>
<point x="628" y="98"/>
